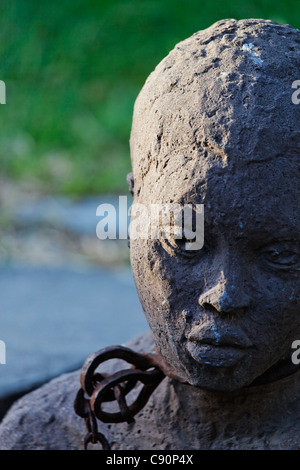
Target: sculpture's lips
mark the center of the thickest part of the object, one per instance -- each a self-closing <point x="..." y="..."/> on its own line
<point x="219" y="338"/>
<point x="209" y="347"/>
<point x="216" y="356"/>
<point x="221" y="341"/>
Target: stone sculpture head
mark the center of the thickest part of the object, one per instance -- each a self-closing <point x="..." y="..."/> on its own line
<point x="215" y="124"/>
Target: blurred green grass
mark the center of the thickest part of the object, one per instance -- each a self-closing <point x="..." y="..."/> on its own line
<point x="73" y="69"/>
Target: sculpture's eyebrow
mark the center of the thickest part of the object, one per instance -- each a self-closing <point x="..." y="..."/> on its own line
<point x="260" y="231"/>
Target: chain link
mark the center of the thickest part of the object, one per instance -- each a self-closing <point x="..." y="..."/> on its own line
<point x="97" y="389"/>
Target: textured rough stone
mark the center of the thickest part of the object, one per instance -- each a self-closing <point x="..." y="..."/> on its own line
<point x="226" y="89"/>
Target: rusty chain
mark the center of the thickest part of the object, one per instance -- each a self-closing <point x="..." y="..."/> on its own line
<point x="97" y="389"/>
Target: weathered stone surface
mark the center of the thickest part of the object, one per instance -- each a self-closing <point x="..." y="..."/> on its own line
<point x="226" y="89"/>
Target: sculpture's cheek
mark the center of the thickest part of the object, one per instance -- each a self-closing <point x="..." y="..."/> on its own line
<point x="169" y="290"/>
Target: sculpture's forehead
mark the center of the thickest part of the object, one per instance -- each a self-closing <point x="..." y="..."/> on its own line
<point x="227" y="88"/>
<point x="213" y="175"/>
<point x="255" y="198"/>
<point x="245" y="196"/>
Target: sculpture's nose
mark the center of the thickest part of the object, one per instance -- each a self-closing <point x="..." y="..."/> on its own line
<point x="226" y="296"/>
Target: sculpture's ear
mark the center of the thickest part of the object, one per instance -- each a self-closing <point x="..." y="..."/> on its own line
<point x="130" y="182"/>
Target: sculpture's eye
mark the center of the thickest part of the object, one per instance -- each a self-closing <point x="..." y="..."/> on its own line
<point x="181" y="229"/>
<point x="282" y="256"/>
<point x="189" y="245"/>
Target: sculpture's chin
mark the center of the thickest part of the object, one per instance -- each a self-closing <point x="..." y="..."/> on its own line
<point x="223" y="385"/>
<point x="228" y="379"/>
<point x="231" y="375"/>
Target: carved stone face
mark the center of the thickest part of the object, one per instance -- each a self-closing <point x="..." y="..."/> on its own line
<point x="222" y="315"/>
